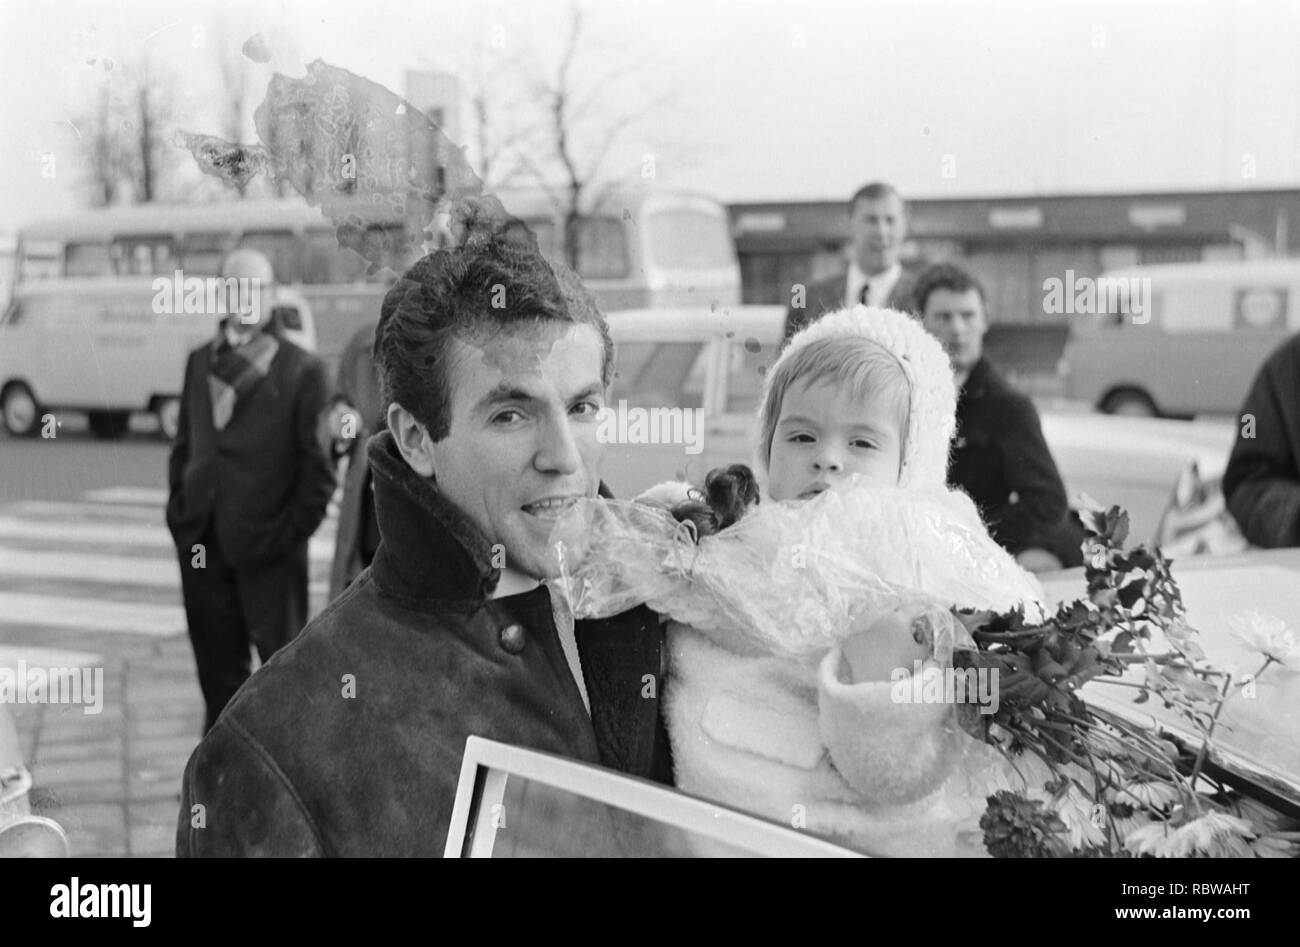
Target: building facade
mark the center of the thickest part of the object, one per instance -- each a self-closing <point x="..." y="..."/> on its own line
<point x="1015" y="244"/>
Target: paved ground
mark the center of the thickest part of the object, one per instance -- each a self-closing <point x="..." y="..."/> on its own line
<point x="90" y="580"/>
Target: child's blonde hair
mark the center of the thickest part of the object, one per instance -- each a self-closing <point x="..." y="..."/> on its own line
<point x="860" y="364"/>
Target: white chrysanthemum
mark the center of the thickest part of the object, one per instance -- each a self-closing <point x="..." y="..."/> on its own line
<point x="1276" y="845"/>
<point x="1155" y="794"/>
<point x="1154" y="838"/>
<point x="1081" y="817"/>
<point x="1218" y="835"/>
<point x="1215" y="834"/>
<point x="1264" y="819"/>
<point x="1269" y="635"/>
<point x="1127" y="825"/>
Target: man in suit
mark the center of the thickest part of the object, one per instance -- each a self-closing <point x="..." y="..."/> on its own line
<point x="874" y="276"/>
<point x="999" y="456"/>
<point x="249" y="483"/>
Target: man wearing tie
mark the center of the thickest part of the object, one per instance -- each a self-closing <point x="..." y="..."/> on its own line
<point x="874" y="276"/>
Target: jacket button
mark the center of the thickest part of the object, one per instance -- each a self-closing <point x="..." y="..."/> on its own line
<point x="512" y="638"/>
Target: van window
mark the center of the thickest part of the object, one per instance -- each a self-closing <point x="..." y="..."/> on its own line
<point x="202" y="253"/>
<point x="660" y="374"/>
<point x="1197" y="308"/>
<point x="144" y="255"/>
<point x="325" y="262"/>
<point x="280" y="247"/>
<point x="88" y="259"/>
<point x="689" y="239"/>
<point x="602" y="248"/>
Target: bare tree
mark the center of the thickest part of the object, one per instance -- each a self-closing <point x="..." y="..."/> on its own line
<point x="553" y="126"/>
<point x="126" y="144"/>
<point x="579" y="131"/>
<point x="106" y="144"/>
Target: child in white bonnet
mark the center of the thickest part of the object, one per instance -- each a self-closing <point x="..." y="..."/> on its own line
<point x="796" y="617"/>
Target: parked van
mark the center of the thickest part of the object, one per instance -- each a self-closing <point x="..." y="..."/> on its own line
<point x="1202" y="334"/>
<point x="100" y="346"/>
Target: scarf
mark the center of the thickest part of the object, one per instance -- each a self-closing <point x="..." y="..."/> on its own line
<point x="234" y="372"/>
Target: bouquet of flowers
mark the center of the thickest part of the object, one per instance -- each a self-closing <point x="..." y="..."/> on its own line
<point x="1117" y="788"/>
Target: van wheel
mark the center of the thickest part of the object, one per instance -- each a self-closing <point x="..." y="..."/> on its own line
<point x="1130" y="402"/>
<point x="109" y="425"/>
<point x="19" y="410"/>
<point x="168" y="411"/>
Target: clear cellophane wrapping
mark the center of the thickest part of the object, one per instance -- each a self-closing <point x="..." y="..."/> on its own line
<point x="793" y="578"/>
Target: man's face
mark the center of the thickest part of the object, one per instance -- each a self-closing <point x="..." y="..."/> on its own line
<point x="957" y="321"/>
<point x="878" y="228"/>
<point x="248" y="305"/>
<point x="824" y="433"/>
<point x="522" y="445"/>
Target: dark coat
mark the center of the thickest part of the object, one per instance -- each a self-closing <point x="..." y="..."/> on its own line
<point x="828" y="295"/>
<point x="1262" y="480"/>
<point x="293" y="767"/>
<point x="1001" y="459"/>
<point x="265" y="481"/>
<point x="358" y="385"/>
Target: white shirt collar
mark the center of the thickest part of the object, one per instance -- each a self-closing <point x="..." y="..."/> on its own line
<point x="882" y="284"/>
<point x="513" y="582"/>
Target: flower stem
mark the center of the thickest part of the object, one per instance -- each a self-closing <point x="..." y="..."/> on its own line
<point x="1209" y="735"/>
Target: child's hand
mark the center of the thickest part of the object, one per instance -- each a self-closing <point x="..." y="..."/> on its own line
<point x="888" y="643"/>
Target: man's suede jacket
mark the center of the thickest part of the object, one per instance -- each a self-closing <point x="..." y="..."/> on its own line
<point x="349" y="741"/>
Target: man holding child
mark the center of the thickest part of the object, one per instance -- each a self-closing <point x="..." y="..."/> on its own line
<point x="349" y="742"/>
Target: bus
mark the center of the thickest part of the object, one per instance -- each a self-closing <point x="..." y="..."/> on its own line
<point x="637" y="247"/>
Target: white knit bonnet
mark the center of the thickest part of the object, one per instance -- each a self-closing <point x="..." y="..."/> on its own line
<point x="932" y="398"/>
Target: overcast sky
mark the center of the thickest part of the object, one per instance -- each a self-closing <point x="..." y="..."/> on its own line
<point x="774" y="100"/>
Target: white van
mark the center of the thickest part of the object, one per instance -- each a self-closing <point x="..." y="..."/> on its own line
<point x="1204" y="331"/>
<point x="99" y="346"/>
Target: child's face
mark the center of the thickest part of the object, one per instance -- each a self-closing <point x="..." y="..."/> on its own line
<point x="824" y="433"/>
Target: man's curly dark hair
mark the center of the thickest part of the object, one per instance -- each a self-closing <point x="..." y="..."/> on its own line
<point x="495" y="281"/>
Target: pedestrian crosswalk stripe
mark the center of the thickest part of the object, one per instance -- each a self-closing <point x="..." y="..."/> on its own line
<point x="42" y="510"/>
<point x="118" y="534"/>
<point x="45" y="511"/>
<point x="47" y="657"/>
<point x="104" y="564"/>
<point x="91" y="615"/>
<point x="156" y="496"/>
<point x="162" y="573"/>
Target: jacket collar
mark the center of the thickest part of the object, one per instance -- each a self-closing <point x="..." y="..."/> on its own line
<point x="429" y="548"/>
<point x="977" y="381"/>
